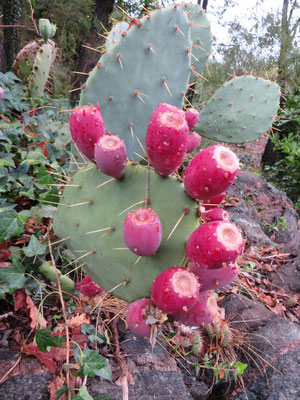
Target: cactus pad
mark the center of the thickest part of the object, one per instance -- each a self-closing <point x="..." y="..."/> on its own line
<point x="149" y="66"/>
<point x="95" y="202"/>
<point x="40" y="71"/>
<point x="116" y="33"/>
<point x="201" y="37"/>
<point x="240" y="111"/>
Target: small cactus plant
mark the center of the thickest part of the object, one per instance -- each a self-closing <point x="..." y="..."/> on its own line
<point x="141" y="95"/>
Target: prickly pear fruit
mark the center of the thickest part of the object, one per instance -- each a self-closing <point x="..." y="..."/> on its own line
<point x="211" y="172"/>
<point x="87" y="126"/>
<point x="174" y="289"/>
<point x="87" y="287"/>
<point x="214" y="201"/>
<point x="111" y="156"/>
<point x="136" y="317"/>
<point x="1" y="93"/>
<point x="194" y="141"/>
<point x="192" y="117"/>
<point x="215" y="244"/>
<point x="217" y="214"/>
<point x="214" y="278"/>
<point x="167" y="139"/>
<point x="200" y="312"/>
<point x="142" y="231"/>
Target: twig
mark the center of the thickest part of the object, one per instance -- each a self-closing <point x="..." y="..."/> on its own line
<point x="123" y="379"/>
<point x="65" y="316"/>
<point x="9" y="371"/>
<point x="32" y="11"/>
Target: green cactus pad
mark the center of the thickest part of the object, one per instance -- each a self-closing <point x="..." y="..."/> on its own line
<point x="240" y="111"/>
<point x="40" y="71"/>
<point x="102" y="200"/>
<point x="201" y="37"/>
<point x="116" y="33"/>
<point x="45" y="28"/>
<point x="149" y="66"/>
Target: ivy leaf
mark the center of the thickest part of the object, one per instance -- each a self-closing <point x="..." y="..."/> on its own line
<point x="83" y="394"/>
<point x="34" y="248"/>
<point x="44" y="339"/>
<point x="10" y="224"/>
<point x="92" y="364"/>
<point x="240" y="368"/>
<point x="61" y="391"/>
<point x="13" y="275"/>
<point x="91" y="332"/>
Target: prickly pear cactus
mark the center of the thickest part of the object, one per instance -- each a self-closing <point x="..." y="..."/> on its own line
<point x="201" y="37"/>
<point x="40" y="71"/>
<point x="116" y="33"/>
<point x="33" y="62"/>
<point x="149" y="66"/>
<point x="93" y="211"/>
<point x="240" y="111"/>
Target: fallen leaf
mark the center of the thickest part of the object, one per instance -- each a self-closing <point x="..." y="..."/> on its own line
<point x="4" y="253"/>
<point x="279" y="309"/>
<point x="78" y="320"/>
<point x="268" y="267"/>
<point x="45" y="358"/>
<point x="54" y="386"/>
<point x="34" y="316"/>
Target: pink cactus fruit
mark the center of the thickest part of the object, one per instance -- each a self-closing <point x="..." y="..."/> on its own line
<point x="136" y="317"/>
<point x="217" y="214"/>
<point x="194" y="141"/>
<point x="87" y="126"/>
<point x="214" y="201"/>
<point x="1" y="93"/>
<point x="214" y="278"/>
<point x="192" y="117"/>
<point x="201" y="312"/>
<point x="167" y="139"/>
<point x="87" y="287"/>
<point x="174" y="289"/>
<point x="215" y="244"/>
<point x="111" y="155"/>
<point x="142" y="231"/>
<point x="211" y="172"/>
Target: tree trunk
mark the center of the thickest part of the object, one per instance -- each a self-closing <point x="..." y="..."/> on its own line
<point x="11" y="15"/>
<point x="88" y="58"/>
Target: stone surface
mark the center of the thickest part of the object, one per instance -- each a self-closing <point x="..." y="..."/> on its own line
<point x="260" y="206"/>
<point x="155" y="374"/>
<point x="244" y="314"/>
<point x="279" y="342"/>
<point x="27" y="381"/>
<point x="289" y="278"/>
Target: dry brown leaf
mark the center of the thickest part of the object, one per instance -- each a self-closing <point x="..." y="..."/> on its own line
<point x="35" y="318"/>
<point x="78" y="320"/>
<point x="54" y="386"/>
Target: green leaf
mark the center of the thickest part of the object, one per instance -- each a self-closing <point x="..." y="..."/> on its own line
<point x="44" y="339"/>
<point x="83" y="394"/>
<point x="61" y="391"/>
<point x="91" y="332"/>
<point x="6" y="160"/>
<point x="34" y="248"/>
<point x="240" y="368"/>
<point x="10" y="224"/>
<point x="103" y="397"/>
<point x="13" y="275"/>
<point x="44" y="211"/>
<point x="92" y="364"/>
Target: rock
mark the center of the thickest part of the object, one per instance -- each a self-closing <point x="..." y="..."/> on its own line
<point x="288" y="277"/>
<point x="28" y="380"/>
<point x="260" y="206"/>
<point x="244" y="314"/>
<point x="155" y="374"/>
<point x="279" y="343"/>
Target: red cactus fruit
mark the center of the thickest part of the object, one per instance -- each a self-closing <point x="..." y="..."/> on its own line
<point x="86" y="126"/>
<point x="192" y="117"/>
<point x="111" y="155"/>
<point x="214" y="201"/>
<point x="87" y="287"/>
<point x="194" y="141"/>
<point x="214" y="278"/>
<point x="217" y="214"/>
<point x="136" y="317"/>
<point x="1" y="93"/>
<point x="215" y="244"/>
<point x="174" y="289"/>
<point x="211" y="172"/>
<point x="142" y="231"/>
<point x="167" y="139"/>
<point x="200" y="313"/>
